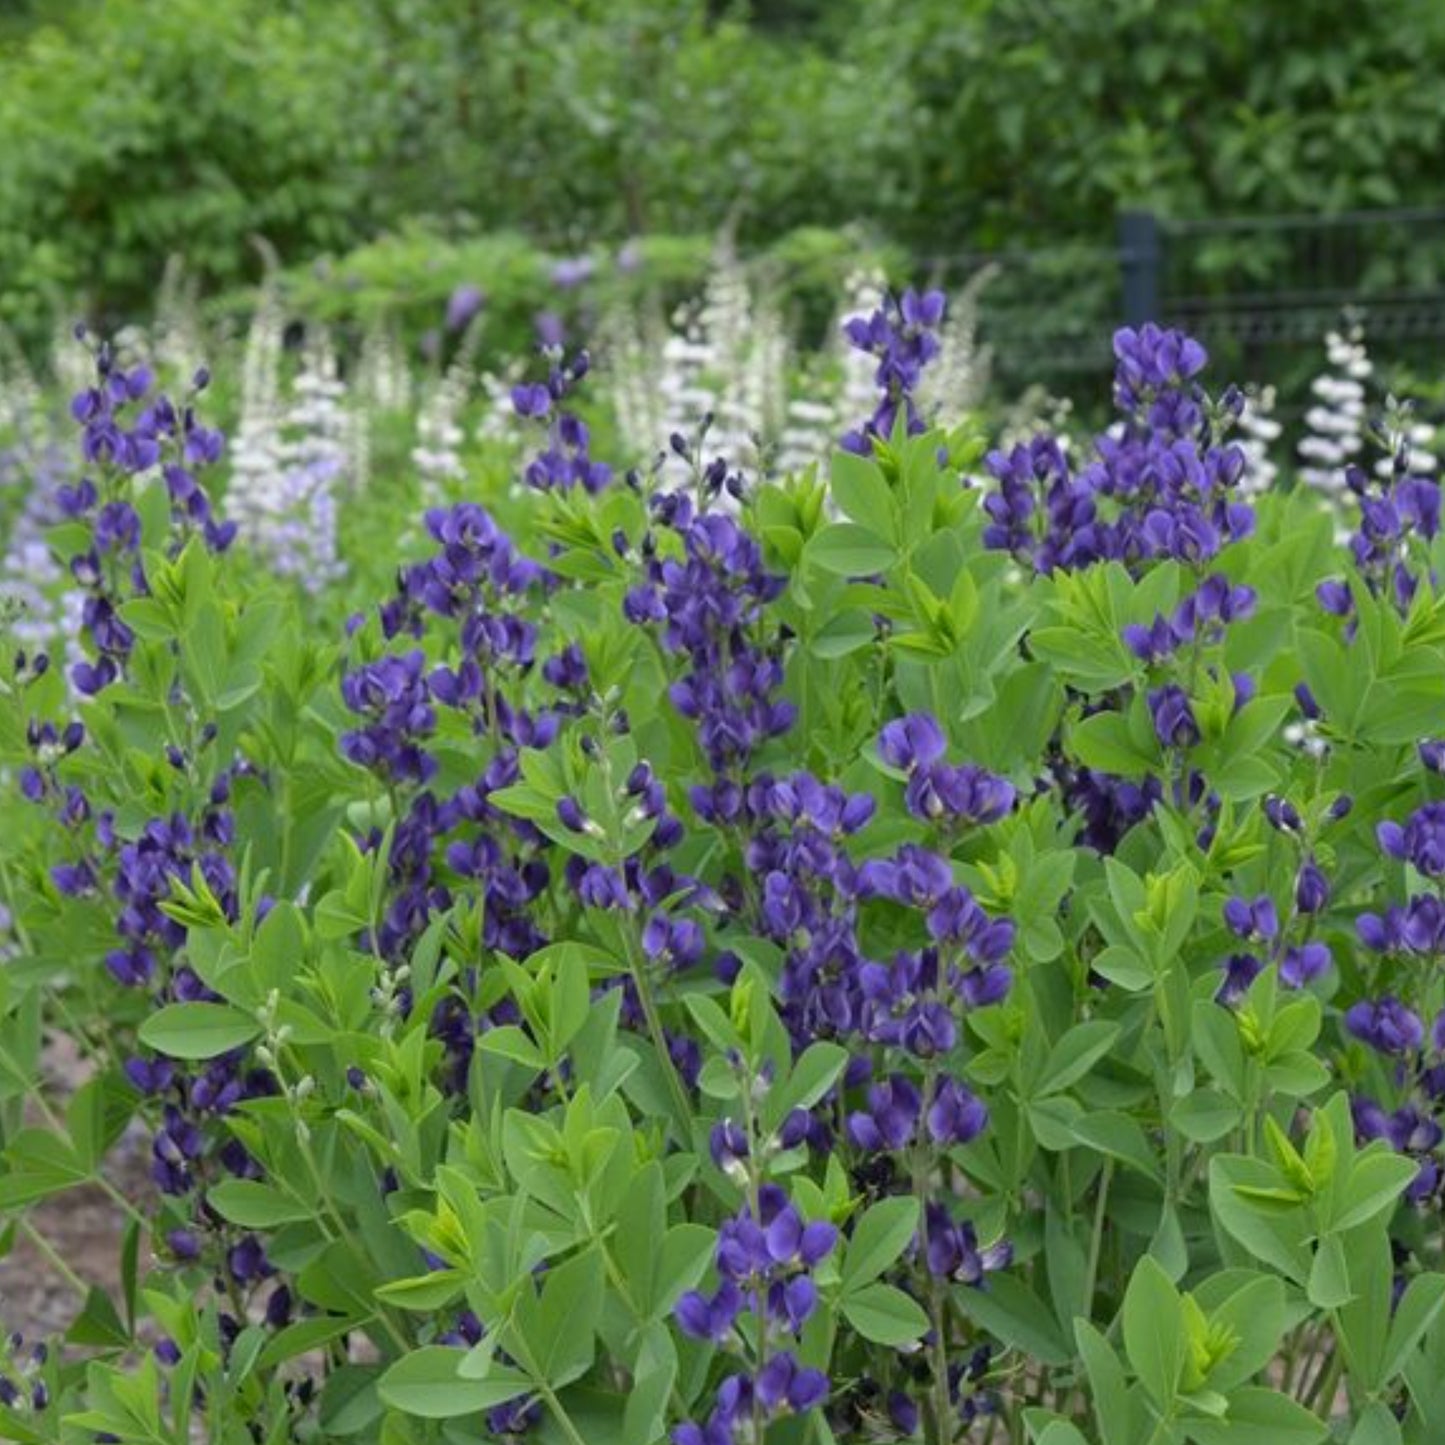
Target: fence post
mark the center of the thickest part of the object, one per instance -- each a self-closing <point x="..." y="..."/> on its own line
<point x="1140" y="257"/>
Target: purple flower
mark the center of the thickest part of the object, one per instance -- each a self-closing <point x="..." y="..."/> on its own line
<point x="1174" y="721"/>
<point x="902" y="336"/>
<point x="785" y="1387"/>
<point x="891" y="1118"/>
<point x="1254" y="918"/>
<point x="710" y="1319"/>
<point x="463" y="305"/>
<point x="962" y="795"/>
<point x="956" y="1116"/>
<point x="1421" y="841"/>
<point x="572" y="271"/>
<point x="531" y="400"/>
<point x="1311" y="888"/>
<point x="1152" y="359"/>
<point x="1335" y="598"/>
<point x="1302" y="963"/>
<point x="911" y="742"/>
<point x="951" y="1249"/>
<point x="1386" y="1025"/>
<point x="1240" y="971"/>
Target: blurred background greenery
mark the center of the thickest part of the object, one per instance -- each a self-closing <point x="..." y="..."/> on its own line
<point x="416" y="144"/>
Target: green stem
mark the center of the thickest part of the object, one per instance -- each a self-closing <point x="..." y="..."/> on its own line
<point x="638" y="966"/>
<point x="618" y="1283"/>
<point x="52" y="1255"/>
<point x="1165" y="1424"/>
<point x="942" y="1406"/>
<point x="1321" y="1398"/>
<point x="559" y="1413"/>
<point x="1096" y="1240"/>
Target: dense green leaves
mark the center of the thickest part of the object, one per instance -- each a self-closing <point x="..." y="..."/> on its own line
<point x="888" y="973"/>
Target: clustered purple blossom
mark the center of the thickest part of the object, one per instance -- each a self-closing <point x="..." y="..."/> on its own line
<point x="1256" y="923"/>
<point x="965" y="796"/>
<point x="1416" y="927"/>
<point x="708" y="604"/>
<point x="1414" y="1060"/>
<point x="1389" y="1025"/>
<point x="895" y="1110"/>
<point x="903" y="335"/>
<point x="764" y="1263"/>
<point x="809" y="899"/>
<point x="1162" y="486"/>
<point x="1199" y="618"/>
<point x="566" y="461"/>
<point x="647" y="887"/>
<point x="478" y="582"/>
<point x="464" y="305"/>
<point x="951" y="1249"/>
<point x="1107" y="806"/>
<point x="139" y="873"/>
<point x="123" y="445"/>
<point x="1399" y="519"/>
<point x="801" y="889"/>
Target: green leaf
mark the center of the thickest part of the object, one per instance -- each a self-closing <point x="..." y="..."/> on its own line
<point x="565" y="1340"/>
<point x="879" y="1238"/>
<point x="885" y="1315"/>
<point x="1009" y="1309"/>
<point x="304" y="1336"/>
<point x="1154" y="1336"/>
<point x="1377" y="1180"/>
<point x="859" y="488"/>
<point x="848" y="550"/>
<point x="255" y="1206"/>
<point x="847" y="631"/>
<point x="1329" y="1281"/>
<point x="1255" y="1314"/>
<point x="1060" y="1432"/>
<point x="645" y="1414"/>
<point x="1376" y="1426"/>
<point x="1204" y="1116"/>
<point x="1123" y="966"/>
<point x="424" y="1292"/>
<point x="1076" y="1053"/>
<point x="425" y="1383"/>
<point x="1216" y="1040"/>
<point x="1278" y="1238"/>
<point x="1417" y="1311"/>
<point x="1104" y="743"/>
<point x="1120" y="1135"/>
<point x="1258" y="1416"/>
<point x="1107" y="1382"/>
<point x="510" y="1042"/>
<point x="198" y="1030"/>
<point x="99" y="1323"/>
<point x="811" y="1077"/>
<point x="1067" y="1261"/>
<point x="686" y="1252"/>
<point x="349" y="1400"/>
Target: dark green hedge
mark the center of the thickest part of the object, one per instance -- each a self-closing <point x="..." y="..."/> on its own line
<point x="131" y="129"/>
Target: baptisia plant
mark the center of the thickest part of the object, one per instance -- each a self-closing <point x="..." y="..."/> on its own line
<point x="943" y="952"/>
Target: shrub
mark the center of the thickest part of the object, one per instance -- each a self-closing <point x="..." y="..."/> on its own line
<point x="915" y="955"/>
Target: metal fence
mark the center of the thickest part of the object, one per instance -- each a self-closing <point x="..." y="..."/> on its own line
<point x="1260" y="291"/>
